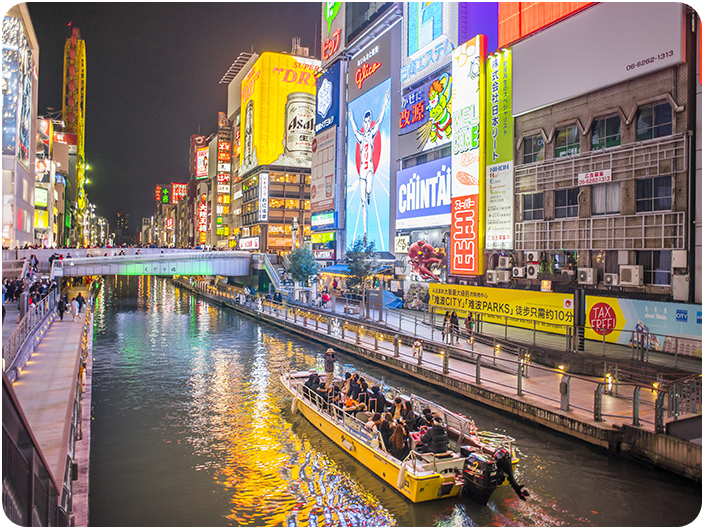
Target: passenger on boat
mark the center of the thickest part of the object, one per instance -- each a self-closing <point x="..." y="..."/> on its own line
<point x="408" y="416"/>
<point x="425" y="419"/>
<point x="354" y="387"/>
<point x="399" y="442"/>
<point x="385" y="431"/>
<point x="348" y="383"/>
<point x="396" y="408"/>
<point x="308" y="384"/>
<point x="363" y="395"/>
<point x="435" y="438"/>
<point x="377" y="402"/>
<point x="374" y="423"/>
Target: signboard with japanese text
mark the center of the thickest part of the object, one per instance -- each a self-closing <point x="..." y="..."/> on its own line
<point x="499" y="152"/>
<point x="278" y="102"/>
<point x="322" y="172"/>
<point x="369" y="67"/>
<point x="550" y="312"/>
<point x="324" y="221"/>
<point x="327" y="107"/>
<point x="662" y="326"/>
<point x="468" y="137"/>
<point x="178" y="192"/>
<point x="423" y="194"/>
<point x="430" y="32"/>
<point x="425" y="116"/>
<point x="263" y="197"/>
<point x="202" y="162"/>
<point x="332" y="31"/>
<point x="594" y="177"/>
<point x="249" y="243"/>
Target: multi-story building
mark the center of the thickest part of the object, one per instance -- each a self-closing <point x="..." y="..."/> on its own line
<point x="19" y="111"/>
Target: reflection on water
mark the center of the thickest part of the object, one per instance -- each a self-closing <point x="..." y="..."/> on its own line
<point x="192" y="428"/>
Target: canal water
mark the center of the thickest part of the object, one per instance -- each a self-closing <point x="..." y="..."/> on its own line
<point x="192" y="428"/>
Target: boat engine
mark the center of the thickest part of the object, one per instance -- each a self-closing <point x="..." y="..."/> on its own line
<point x="481" y="477"/>
<point x="503" y="463"/>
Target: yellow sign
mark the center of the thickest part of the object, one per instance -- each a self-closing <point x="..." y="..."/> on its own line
<point x="519" y="308"/>
<point x="278" y="112"/>
<point x="41" y="218"/>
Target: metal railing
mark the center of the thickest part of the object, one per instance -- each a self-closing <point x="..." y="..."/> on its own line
<point x="15" y="269"/>
<point x="389" y="342"/>
<point x="27" y="335"/>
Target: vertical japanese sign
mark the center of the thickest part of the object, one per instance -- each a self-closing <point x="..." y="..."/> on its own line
<point x="333" y="31"/>
<point x="264" y="197"/>
<point x="468" y="138"/>
<point x="499" y="152"/>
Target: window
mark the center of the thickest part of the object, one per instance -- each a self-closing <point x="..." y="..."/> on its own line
<point x="606" y="198"/>
<point x="654" y="122"/>
<point x="567" y="141"/>
<point x="606" y="132"/>
<point x="533" y="149"/>
<point x="656" y="266"/>
<point x="533" y="207"/>
<point x="654" y="194"/>
<point x="566" y="203"/>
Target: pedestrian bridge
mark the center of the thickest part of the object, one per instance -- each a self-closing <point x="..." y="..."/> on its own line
<point x="181" y="263"/>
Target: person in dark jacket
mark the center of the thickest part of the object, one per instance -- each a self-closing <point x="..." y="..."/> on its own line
<point x="386" y="432"/>
<point x="61" y="307"/>
<point x="408" y="416"/>
<point x="363" y="395"/>
<point x="455" y="325"/>
<point x="435" y="438"/>
<point x="377" y="402"/>
<point x="81" y="301"/>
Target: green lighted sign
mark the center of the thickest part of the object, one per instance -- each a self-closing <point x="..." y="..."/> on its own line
<point x="331" y="10"/>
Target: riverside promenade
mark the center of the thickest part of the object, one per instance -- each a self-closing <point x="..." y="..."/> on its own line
<point x="46" y="389"/>
<point x="620" y="417"/>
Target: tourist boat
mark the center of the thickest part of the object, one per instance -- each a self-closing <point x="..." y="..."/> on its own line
<point x="476" y="464"/>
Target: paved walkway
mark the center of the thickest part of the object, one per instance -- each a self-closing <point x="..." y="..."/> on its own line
<point x="498" y="373"/>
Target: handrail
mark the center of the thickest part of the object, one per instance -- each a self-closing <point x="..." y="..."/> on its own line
<point x="264" y="258"/>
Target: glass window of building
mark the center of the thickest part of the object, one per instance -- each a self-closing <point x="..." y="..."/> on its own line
<point x="292" y="204"/>
<point x="566" y="203"/>
<point x="533" y="149"/>
<point x="606" y="132"/>
<point x="654" y="194"/>
<point x="276" y="203"/>
<point x="654" y="122"/>
<point x="656" y="266"/>
<point x="533" y="207"/>
<point x="567" y="141"/>
<point x="606" y="198"/>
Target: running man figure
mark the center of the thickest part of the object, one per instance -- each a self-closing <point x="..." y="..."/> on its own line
<point x="365" y="141"/>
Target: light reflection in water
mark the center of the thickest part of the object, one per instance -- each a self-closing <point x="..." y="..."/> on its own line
<point x="192" y="428"/>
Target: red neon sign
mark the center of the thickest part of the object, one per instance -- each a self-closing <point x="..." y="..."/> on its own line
<point x="365" y="72"/>
<point x="331" y="45"/>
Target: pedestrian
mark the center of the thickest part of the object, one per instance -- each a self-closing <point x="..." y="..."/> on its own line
<point x="330" y="358"/>
<point x="74" y="309"/>
<point x="81" y="301"/>
<point x="455" y="326"/>
<point x="418" y="349"/>
<point x="61" y="307"/>
<point x="469" y="324"/>
<point x="447" y="327"/>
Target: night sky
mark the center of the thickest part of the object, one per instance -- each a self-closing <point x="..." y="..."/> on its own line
<point x="152" y="80"/>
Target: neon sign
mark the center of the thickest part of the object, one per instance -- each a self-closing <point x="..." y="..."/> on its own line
<point x="365" y="72"/>
<point x="331" y="45"/>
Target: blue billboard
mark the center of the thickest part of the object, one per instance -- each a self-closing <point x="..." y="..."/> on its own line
<point x="327" y="104"/>
<point x="423" y="195"/>
<point x="369" y="166"/>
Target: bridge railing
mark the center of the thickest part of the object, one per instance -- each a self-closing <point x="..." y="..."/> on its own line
<point x="15" y="269"/>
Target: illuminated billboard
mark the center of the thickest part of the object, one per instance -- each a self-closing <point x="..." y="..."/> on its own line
<point x="322" y="173"/>
<point x="333" y="30"/>
<point x="178" y="192"/>
<point x="197" y="141"/>
<point x="499" y="152"/>
<point x="468" y="109"/>
<point x="202" y="162"/>
<point x="425" y="116"/>
<point x="368" y="166"/>
<point x="278" y="98"/>
<point x="41" y="197"/>
<point x="370" y="67"/>
<point x="327" y="108"/>
<point x="423" y="195"/>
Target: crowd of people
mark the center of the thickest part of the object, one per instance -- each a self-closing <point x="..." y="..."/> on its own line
<point x="451" y="327"/>
<point x="399" y="426"/>
<point x="12" y="289"/>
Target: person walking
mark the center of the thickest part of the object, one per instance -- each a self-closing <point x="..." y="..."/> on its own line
<point x="447" y="327"/>
<point x="74" y="309"/>
<point x="61" y="307"/>
<point x="329" y="358"/>
<point x="455" y="324"/>
<point x="81" y="301"/>
<point x="469" y="324"/>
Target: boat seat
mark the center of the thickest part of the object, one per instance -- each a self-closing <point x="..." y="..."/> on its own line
<point x="430" y="457"/>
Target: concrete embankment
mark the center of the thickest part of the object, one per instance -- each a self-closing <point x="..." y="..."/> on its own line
<point x="618" y="436"/>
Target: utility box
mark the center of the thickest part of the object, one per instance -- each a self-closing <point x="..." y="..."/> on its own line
<point x="680" y="288"/>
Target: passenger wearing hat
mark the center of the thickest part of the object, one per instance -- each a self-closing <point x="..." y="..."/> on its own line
<point x="330" y="358"/>
<point x="435" y="438"/>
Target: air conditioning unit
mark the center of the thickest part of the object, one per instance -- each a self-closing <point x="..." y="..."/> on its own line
<point x="504" y="276"/>
<point x="519" y="271"/>
<point x="611" y="280"/>
<point x="532" y="271"/>
<point x="533" y="257"/>
<point x="492" y="277"/>
<point x="504" y="261"/>
<point x="569" y="272"/>
<point x="630" y="275"/>
<point x="586" y="276"/>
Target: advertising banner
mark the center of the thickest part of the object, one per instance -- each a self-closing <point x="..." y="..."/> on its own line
<point x="663" y="326"/>
<point x="263" y="197"/>
<point x="551" y="312"/>
<point x="425" y="258"/>
<point x="202" y="162"/>
<point x="425" y="116"/>
<point x="41" y="219"/>
<point x="178" y="192"/>
<point x="369" y="67"/>
<point x="423" y="195"/>
<point x="333" y="31"/>
<point x="322" y="176"/>
<point x="499" y="152"/>
<point x="41" y="197"/>
<point x="67" y="138"/>
<point x="327" y="108"/>
<point x="278" y="98"/>
<point x="430" y="32"/>
<point x="324" y="221"/>
<point x="368" y="166"/>
<point x="468" y="109"/>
